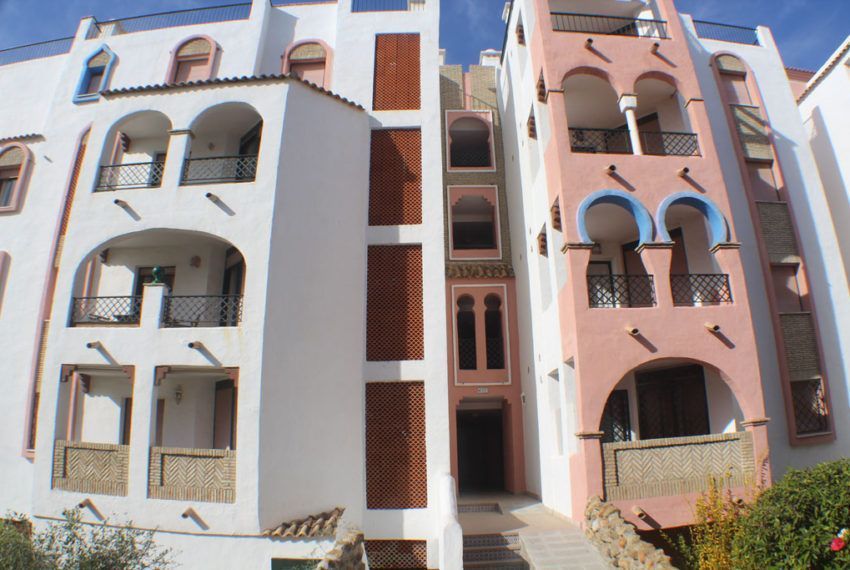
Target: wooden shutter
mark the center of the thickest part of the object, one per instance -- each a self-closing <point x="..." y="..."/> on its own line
<point x="397" y="74"/>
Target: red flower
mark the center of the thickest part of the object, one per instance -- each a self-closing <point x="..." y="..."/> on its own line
<point x="837" y="544"/>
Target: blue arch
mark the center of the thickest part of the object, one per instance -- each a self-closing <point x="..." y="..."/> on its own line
<point x="716" y="221"/>
<point x="627" y="202"/>
<point x="80" y="96"/>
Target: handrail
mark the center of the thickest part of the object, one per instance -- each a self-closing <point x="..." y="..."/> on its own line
<point x="726" y="32"/>
<point x="97" y="29"/>
<point x="608" y="25"/>
<point x="31" y="51"/>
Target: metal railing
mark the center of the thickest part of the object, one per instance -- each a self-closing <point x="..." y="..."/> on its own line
<point x="696" y="289"/>
<point x="210" y="170"/>
<point x="726" y="33"/>
<point x="133" y="175"/>
<point x="201" y="311"/>
<point x="387" y="5"/>
<point x="810" y="411"/>
<point x="607" y="141"/>
<point x="35" y="51"/>
<point x="296" y="2"/>
<point x="105" y="311"/>
<point x="172" y="19"/>
<point x="669" y="144"/>
<point x="608" y="291"/>
<point x="608" y="25"/>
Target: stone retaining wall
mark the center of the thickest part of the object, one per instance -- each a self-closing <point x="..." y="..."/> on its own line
<point x="618" y="541"/>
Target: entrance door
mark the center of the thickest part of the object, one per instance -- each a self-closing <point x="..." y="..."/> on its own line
<point x="672" y="402"/>
<point x="480" y="450"/>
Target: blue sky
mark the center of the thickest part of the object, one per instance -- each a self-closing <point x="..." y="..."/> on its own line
<point x="807" y="31"/>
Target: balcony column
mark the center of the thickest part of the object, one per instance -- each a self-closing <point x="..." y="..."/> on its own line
<point x="628" y="104"/>
<point x="657" y="259"/>
<point x="179" y="144"/>
<point x="586" y="471"/>
<point x="142" y="425"/>
<point x="758" y="429"/>
<point x="153" y="297"/>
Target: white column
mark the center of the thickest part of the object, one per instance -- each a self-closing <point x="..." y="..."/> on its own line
<point x="628" y="103"/>
<point x="178" y="149"/>
<point x="152" y="299"/>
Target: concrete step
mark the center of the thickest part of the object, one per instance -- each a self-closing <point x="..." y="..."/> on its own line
<point x="479" y="508"/>
<point x="491" y="540"/>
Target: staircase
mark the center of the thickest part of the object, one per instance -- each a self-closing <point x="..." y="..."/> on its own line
<point x="493" y="551"/>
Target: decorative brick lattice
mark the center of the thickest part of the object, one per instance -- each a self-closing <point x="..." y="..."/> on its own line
<point x="394" y="321"/>
<point x="397" y="554"/>
<point x="674" y="466"/>
<point x="801" y="345"/>
<point x="207" y="475"/>
<point x="395" y="178"/>
<point x="396" y="461"/>
<point x="810" y="411"/>
<point x="777" y="231"/>
<point x="397" y="76"/>
<point x="97" y="468"/>
<point x="752" y="132"/>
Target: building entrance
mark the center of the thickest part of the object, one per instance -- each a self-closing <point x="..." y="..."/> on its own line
<point x="480" y="450"/>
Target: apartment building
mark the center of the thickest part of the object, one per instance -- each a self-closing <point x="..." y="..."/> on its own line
<point x="272" y="271"/>
<point x="683" y="291"/>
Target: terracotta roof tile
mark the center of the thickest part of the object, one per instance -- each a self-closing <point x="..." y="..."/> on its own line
<point x="28" y="136"/>
<point x="316" y="526"/>
<point x="226" y="81"/>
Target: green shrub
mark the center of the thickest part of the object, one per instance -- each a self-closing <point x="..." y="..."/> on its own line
<point x="16" y="550"/>
<point x="792" y="523"/>
<point x="73" y="545"/>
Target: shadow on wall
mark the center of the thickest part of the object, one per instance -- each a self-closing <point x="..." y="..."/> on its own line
<point x="283" y="23"/>
<point x="830" y="175"/>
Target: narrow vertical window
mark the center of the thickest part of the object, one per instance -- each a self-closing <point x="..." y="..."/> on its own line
<point x="494" y="332"/>
<point x="466" y="333"/>
<point x="308" y="61"/>
<point x="193" y="60"/>
<point x="14" y="166"/>
<point x="95" y="75"/>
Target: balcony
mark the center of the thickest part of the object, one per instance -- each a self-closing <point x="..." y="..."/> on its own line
<point x="106" y="311"/>
<point x="697" y="290"/>
<point x="387" y="5"/>
<point x="658" y="143"/>
<point x="726" y="33"/>
<point x="621" y="291"/>
<point x="604" y="141"/>
<point x="203" y="279"/>
<point x="134" y="175"/>
<point x="677" y="465"/>
<point x="225" y="147"/>
<point x="608" y="25"/>
<point x="172" y="19"/>
<point x="202" y="311"/>
<point x="212" y="170"/>
<point x="686" y="432"/>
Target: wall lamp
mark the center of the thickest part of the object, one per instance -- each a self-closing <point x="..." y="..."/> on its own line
<point x="178" y="394"/>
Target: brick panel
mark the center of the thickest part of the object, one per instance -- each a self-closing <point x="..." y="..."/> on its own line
<point x="397" y="80"/>
<point x="397" y="554"/>
<point x="394" y="314"/>
<point x="395" y="178"/>
<point x="777" y="231"/>
<point x="752" y="132"/>
<point x="801" y="345"/>
<point x="396" y="462"/>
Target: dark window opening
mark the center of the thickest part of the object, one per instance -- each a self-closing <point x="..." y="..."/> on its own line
<point x="224" y="420"/>
<point x="672" y="403"/>
<point x="94" y="78"/>
<point x="466" y="349"/>
<point x="469" y="145"/>
<point x="494" y="333"/>
<point x="616" y="421"/>
<point x="473" y="224"/>
<point x="480" y="450"/>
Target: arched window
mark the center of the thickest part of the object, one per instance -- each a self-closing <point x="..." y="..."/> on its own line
<point x="470" y="143"/>
<point x="308" y="61"/>
<point x="474" y="222"/>
<point x="466" y="333"/>
<point x="95" y="76"/>
<point x="193" y="60"/>
<point x="14" y="166"/>
<point x="494" y="332"/>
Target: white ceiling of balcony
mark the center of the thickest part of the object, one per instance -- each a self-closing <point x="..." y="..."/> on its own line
<point x="232" y="119"/>
<point x="592" y="103"/>
<point x="651" y="93"/>
<point x="146" y="125"/>
<point x="166" y="238"/>
<point x="611" y="223"/>
<point x="617" y="8"/>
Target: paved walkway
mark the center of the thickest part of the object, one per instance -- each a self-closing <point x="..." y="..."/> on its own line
<point x="549" y="541"/>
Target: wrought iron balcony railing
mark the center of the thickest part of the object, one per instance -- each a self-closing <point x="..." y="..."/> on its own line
<point x="605" y="141"/>
<point x="611" y="291"/>
<point x="669" y="144"/>
<point x="201" y="311"/>
<point x="726" y="33"/>
<point x="810" y="411"/>
<point x="105" y="311"/>
<point x="608" y="25"/>
<point x="134" y="175"/>
<point x="466" y="353"/>
<point x="35" y="51"/>
<point x="387" y="5"/>
<point x="171" y="19"/>
<point x="700" y="289"/>
<point x="218" y="169"/>
<point x="495" y="353"/>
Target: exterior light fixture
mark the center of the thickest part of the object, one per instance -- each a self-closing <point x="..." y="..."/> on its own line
<point x="178" y="394"/>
